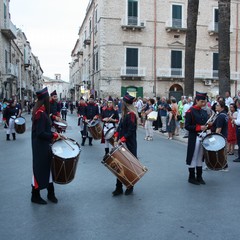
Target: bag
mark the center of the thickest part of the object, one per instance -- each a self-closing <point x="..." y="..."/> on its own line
<point x="152" y="116"/>
<point x="179" y="117"/>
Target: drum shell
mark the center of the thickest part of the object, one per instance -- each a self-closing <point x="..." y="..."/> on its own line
<point x="124" y="165"/>
<point x="20" y="128"/>
<point x="215" y="159"/>
<point x="64" y="169"/>
<point x="95" y="130"/>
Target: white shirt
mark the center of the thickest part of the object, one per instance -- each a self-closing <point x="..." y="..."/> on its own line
<point x="228" y="101"/>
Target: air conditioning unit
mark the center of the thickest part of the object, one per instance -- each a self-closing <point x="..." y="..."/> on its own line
<point x="208" y="82"/>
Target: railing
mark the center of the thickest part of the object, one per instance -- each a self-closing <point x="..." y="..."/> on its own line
<point x="133" y="71"/>
<point x="133" y="21"/>
<point x="199" y="73"/>
<point x="8" y="25"/>
<point x="176" y="23"/>
<point x="12" y="69"/>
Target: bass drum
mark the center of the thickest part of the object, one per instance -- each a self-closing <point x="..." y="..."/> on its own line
<point x="66" y="154"/>
<point x="95" y="129"/>
<point x="214" y="148"/>
<point x="20" y="125"/>
<point x="124" y="165"/>
<point x="109" y="135"/>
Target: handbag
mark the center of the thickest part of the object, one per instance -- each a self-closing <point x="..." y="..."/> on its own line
<point x="152" y="116"/>
<point x="179" y="117"/>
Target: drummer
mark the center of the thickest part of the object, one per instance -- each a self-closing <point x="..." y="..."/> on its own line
<point x="92" y="113"/>
<point x="195" y="123"/>
<point x="81" y="111"/>
<point x="41" y="139"/>
<point x="54" y="111"/>
<point x="127" y="133"/>
<point x="10" y="113"/>
<point x="109" y="117"/>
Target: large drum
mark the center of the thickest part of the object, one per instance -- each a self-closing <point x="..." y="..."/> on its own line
<point x="95" y="128"/>
<point x="20" y="125"/>
<point x="215" y="154"/>
<point x="124" y="165"/>
<point x="65" y="158"/>
<point x="60" y="126"/>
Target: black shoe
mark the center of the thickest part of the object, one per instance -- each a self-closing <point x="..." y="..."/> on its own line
<point x="193" y="181"/>
<point x="90" y="144"/>
<point x="129" y="191"/>
<point x="236" y="160"/>
<point x="201" y="181"/>
<point x="117" y="191"/>
<point x="36" y="197"/>
<point x="52" y="198"/>
<point x="82" y="144"/>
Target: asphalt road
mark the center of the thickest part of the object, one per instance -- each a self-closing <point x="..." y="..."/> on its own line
<point x="164" y="205"/>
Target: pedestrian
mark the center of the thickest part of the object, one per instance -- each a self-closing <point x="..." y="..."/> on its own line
<point x="41" y="152"/>
<point x="171" y="123"/>
<point x="232" y="137"/>
<point x="64" y="109"/>
<point x="195" y="123"/>
<point x="149" y="123"/>
<point x="237" y="122"/>
<point x="127" y="133"/>
<point x="81" y="111"/>
<point x="163" y="113"/>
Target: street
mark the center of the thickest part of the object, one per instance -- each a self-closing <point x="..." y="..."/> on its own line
<point x="164" y="205"/>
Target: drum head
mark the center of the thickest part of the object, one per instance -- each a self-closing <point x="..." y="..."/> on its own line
<point x="109" y="133"/>
<point x="214" y="142"/>
<point x="20" y="121"/>
<point x="93" y="123"/>
<point x="61" y="124"/>
<point x="65" y="149"/>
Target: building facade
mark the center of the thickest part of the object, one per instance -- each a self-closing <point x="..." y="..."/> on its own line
<point x="139" y="46"/>
<point x="20" y="69"/>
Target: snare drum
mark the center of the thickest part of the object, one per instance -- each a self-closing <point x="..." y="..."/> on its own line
<point x="109" y="135"/>
<point x="214" y="148"/>
<point x="95" y="128"/>
<point x="60" y="126"/>
<point x="20" y="125"/>
<point x="64" y="162"/>
<point x="124" y="165"/>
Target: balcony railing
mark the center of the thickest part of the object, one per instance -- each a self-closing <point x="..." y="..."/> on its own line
<point x="12" y="70"/>
<point x="133" y="72"/>
<point x="199" y="73"/>
<point x="176" y="24"/>
<point x="133" y="22"/>
<point x="9" y="30"/>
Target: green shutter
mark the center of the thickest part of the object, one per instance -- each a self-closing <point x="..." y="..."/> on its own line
<point x="140" y="92"/>
<point x="123" y="91"/>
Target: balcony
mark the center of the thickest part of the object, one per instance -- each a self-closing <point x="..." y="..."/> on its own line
<point x="9" y="30"/>
<point x="133" y="23"/>
<point x="213" y="29"/>
<point x="11" y="71"/>
<point x="176" y="25"/>
<point x="133" y="72"/>
<point x="199" y="74"/>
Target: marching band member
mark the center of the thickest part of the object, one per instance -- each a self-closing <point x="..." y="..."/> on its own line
<point x="41" y="139"/>
<point x="195" y="122"/>
<point x="127" y="133"/>
<point x="92" y="113"/>
<point x="54" y="111"/>
<point x="11" y="112"/>
<point x="109" y="117"/>
<point x="81" y="119"/>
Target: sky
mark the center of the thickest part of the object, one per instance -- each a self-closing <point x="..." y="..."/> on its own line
<point x="51" y="27"/>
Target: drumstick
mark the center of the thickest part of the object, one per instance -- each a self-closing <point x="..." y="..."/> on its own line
<point x="68" y="144"/>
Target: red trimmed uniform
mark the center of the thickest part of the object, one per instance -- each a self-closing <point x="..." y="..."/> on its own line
<point x="41" y="152"/>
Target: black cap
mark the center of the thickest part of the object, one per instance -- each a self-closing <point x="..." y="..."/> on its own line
<point x="54" y="93"/>
<point x="201" y="96"/>
<point x="42" y="93"/>
<point x="128" y="98"/>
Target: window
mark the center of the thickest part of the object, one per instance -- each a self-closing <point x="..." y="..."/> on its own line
<point x="90" y="27"/>
<point x="176" y="63"/>
<point x="215" y="65"/>
<point x="177" y="16"/>
<point x="215" y="19"/>
<point x="5" y="11"/>
<point x="132" y="61"/>
<point x="132" y="12"/>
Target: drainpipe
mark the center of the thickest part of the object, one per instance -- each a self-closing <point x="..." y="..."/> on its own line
<point x="155" y="49"/>
<point x="236" y="54"/>
<point x="93" y="24"/>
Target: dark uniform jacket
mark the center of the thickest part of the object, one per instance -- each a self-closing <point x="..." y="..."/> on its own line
<point x="127" y="132"/>
<point x="41" y="152"/>
<point x="8" y="112"/>
<point x="194" y="118"/>
<point x="54" y="110"/>
<point x="110" y="112"/>
<point x="91" y="110"/>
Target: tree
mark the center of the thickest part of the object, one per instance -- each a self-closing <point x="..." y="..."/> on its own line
<point x="190" y="48"/>
<point x="224" y="45"/>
